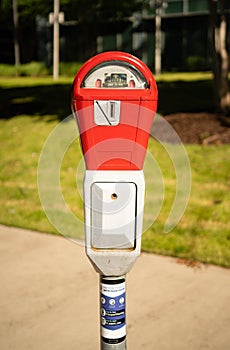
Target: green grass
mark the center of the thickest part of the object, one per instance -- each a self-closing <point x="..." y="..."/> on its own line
<point x="35" y="97"/>
<point x="20" y="82"/>
<point x="185" y="96"/>
<point x="184" y="76"/>
<point x="203" y="233"/>
<point x="178" y="92"/>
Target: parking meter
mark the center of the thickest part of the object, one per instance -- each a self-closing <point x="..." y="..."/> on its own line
<point x="114" y="99"/>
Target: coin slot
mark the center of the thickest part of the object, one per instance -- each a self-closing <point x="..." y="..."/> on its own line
<point x="112" y="110"/>
<point x="107" y="112"/>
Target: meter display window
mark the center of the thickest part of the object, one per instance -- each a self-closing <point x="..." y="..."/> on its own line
<point x="115" y="75"/>
<point x="115" y="80"/>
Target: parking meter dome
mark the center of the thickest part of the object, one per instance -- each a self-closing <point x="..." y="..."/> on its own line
<point x="114" y="100"/>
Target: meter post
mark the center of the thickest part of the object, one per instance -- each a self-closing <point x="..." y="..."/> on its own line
<point x="114" y="100"/>
<point x="113" y="313"/>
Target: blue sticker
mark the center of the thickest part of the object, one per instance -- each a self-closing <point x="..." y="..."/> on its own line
<point x="113" y="310"/>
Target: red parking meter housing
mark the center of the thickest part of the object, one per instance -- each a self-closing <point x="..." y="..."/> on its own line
<point x="114" y="100"/>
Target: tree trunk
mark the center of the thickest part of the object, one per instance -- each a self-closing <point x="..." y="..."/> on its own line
<point x="220" y="56"/>
<point x="16" y="33"/>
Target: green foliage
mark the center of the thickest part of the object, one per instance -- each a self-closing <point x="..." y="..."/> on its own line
<point x="93" y="10"/>
<point x="69" y="68"/>
<point x="30" y="69"/>
<point x="29" y="8"/>
<point x="7" y="70"/>
<point x="195" y="63"/>
<point x="82" y="10"/>
<point x="35" y="69"/>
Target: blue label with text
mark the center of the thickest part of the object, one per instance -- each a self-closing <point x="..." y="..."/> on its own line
<point x="113" y="310"/>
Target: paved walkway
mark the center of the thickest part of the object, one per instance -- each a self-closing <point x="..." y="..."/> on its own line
<point x="49" y="299"/>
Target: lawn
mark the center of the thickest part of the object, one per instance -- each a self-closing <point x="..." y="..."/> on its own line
<point x="32" y="108"/>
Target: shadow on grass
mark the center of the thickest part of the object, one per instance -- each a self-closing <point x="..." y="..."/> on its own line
<point x="55" y="100"/>
<point x="188" y="97"/>
<point x="41" y="100"/>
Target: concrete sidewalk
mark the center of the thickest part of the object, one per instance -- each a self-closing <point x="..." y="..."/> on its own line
<point x="49" y="299"/>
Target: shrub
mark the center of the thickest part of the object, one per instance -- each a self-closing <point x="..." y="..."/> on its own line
<point x="7" y="70"/>
<point x="69" y="68"/>
<point x="195" y="63"/>
<point x="34" y="69"/>
<point x="31" y="69"/>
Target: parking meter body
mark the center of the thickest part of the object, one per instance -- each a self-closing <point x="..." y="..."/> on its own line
<point x="114" y="99"/>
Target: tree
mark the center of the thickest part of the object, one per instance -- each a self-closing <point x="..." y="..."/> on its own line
<point x="91" y="10"/>
<point x="220" y="54"/>
<point x="16" y="34"/>
<point x="90" y="15"/>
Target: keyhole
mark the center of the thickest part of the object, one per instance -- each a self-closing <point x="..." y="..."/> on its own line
<point x="113" y="196"/>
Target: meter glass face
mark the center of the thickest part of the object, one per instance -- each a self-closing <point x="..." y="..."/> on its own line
<point x="115" y="75"/>
<point x="115" y="80"/>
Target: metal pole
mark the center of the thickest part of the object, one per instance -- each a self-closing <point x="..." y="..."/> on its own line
<point x="56" y="41"/>
<point x="113" y="315"/>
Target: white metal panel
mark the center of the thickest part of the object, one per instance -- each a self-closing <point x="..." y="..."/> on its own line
<point x="117" y="261"/>
<point x="113" y="215"/>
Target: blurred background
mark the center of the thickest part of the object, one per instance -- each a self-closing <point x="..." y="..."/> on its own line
<point x="186" y="45"/>
<point x="88" y="27"/>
